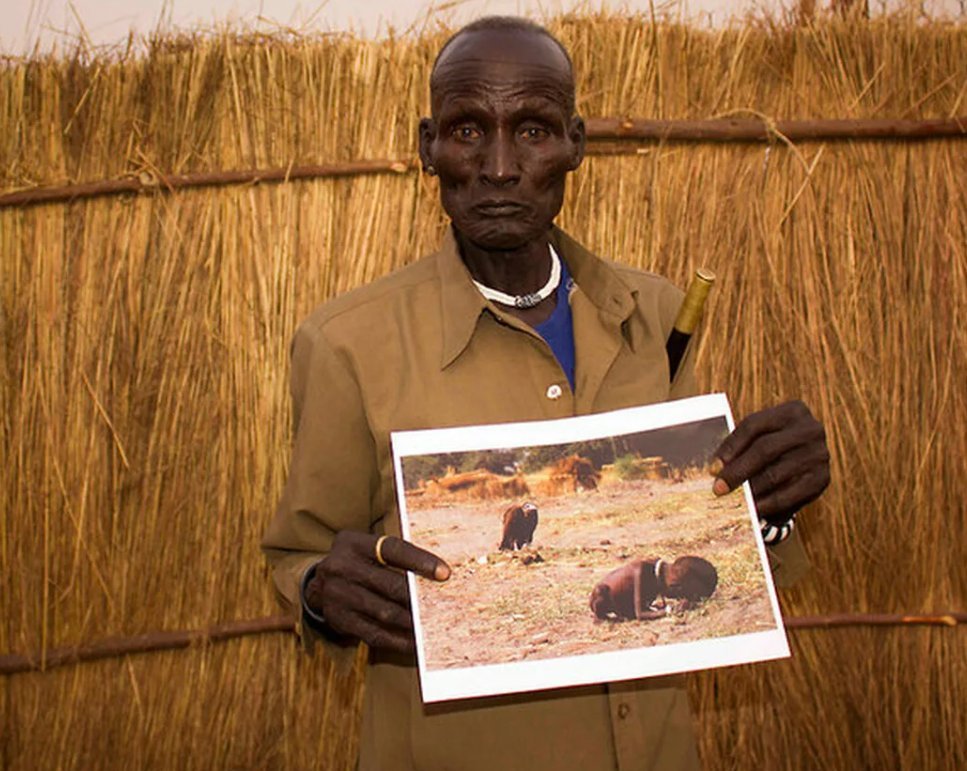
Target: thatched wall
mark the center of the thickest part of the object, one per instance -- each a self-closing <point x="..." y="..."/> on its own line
<point x="143" y="402"/>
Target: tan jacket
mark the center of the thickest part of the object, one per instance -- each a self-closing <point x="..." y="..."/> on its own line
<point x="422" y="348"/>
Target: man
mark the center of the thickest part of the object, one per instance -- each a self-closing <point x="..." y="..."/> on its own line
<point x="511" y="320"/>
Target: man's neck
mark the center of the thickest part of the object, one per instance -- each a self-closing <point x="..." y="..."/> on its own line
<point x="518" y="271"/>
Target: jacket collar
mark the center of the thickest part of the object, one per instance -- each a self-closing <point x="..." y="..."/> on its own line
<point x="462" y="304"/>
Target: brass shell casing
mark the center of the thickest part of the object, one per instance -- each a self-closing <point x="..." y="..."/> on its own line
<point x="691" y="310"/>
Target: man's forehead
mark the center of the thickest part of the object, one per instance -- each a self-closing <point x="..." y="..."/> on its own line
<point x="508" y="61"/>
<point x="471" y="79"/>
<point x="503" y="46"/>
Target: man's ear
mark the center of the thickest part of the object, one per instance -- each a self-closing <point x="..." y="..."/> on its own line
<point x="427" y="136"/>
<point x="577" y="133"/>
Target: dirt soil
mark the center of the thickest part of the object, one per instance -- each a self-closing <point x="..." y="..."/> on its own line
<point x="533" y="603"/>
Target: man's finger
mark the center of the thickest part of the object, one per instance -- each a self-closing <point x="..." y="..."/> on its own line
<point x="394" y="552"/>
<point x="758" y="423"/>
<point x="376" y="607"/>
<point x="343" y="602"/>
<point x="401" y="554"/>
<point x="802" y="462"/>
<point x="389" y="583"/>
<point x="375" y="636"/>
<point x="757" y="461"/>
<point x="344" y="588"/>
<point x="791" y="498"/>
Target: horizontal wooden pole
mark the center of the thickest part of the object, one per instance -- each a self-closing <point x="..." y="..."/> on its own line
<point x="607" y="136"/>
<point x="150" y="641"/>
<point x="149" y="183"/>
<point x="952" y="618"/>
<point x="158" y="641"/>
<point x="756" y="129"/>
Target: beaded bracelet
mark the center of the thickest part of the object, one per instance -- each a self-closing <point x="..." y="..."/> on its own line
<point x="773" y="534"/>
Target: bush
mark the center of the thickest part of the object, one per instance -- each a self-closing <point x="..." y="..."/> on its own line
<point x="625" y="468"/>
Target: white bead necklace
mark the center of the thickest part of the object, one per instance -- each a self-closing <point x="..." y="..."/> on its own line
<point x="526" y="300"/>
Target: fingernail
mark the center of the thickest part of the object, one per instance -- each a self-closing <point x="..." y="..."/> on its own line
<point x="715" y="467"/>
<point x="442" y="572"/>
<point x="721" y="487"/>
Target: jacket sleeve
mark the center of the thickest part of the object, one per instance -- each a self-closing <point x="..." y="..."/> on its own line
<point x="788" y="560"/>
<point x="333" y="471"/>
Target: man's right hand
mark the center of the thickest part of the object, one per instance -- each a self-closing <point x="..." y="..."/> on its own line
<point x="359" y="597"/>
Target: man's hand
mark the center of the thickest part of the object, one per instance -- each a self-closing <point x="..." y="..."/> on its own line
<point x="359" y="597"/>
<point x="782" y="453"/>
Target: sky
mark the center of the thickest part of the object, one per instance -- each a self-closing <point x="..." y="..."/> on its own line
<point x="24" y="23"/>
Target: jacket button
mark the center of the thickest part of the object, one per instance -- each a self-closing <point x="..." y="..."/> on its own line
<point x="623" y="711"/>
<point x="554" y="391"/>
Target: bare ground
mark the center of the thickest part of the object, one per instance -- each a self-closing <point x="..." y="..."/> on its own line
<point x="533" y="604"/>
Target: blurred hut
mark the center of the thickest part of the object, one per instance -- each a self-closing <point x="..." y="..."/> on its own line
<point x="653" y="467"/>
<point x="475" y="485"/>
<point x="150" y="282"/>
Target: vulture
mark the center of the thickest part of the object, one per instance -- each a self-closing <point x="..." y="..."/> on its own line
<point x="520" y="521"/>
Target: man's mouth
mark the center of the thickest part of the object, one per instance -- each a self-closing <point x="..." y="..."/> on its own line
<point x="499" y="208"/>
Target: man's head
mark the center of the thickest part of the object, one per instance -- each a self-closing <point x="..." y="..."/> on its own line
<point x="503" y="134"/>
<point x="518" y="32"/>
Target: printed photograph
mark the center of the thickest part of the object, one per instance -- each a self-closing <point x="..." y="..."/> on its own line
<point x="595" y="544"/>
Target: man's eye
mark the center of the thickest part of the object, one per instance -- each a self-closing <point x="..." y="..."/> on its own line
<point x="465" y="133"/>
<point x="534" y="133"/>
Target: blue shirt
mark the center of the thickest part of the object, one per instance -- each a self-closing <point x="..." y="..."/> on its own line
<point x="558" y="330"/>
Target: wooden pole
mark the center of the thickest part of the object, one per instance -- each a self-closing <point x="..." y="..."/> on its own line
<point x="874" y="619"/>
<point x="611" y="135"/>
<point x="158" y="641"/>
<point x="757" y="130"/>
<point x="144" y="643"/>
<point x="149" y="183"/>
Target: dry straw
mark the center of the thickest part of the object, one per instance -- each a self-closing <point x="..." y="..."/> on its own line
<point x="144" y="352"/>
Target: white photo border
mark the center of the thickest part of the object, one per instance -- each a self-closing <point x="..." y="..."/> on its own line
<point x="582" y="669"/>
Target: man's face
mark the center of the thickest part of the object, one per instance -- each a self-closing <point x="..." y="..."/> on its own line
<point x="502" y="137"/>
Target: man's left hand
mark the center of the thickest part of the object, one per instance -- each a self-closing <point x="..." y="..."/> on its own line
<point x="782" y="453"/>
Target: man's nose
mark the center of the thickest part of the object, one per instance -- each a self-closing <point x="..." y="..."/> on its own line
<point x="501" y="166"/>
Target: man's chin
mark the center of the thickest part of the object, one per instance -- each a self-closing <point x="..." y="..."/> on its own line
<point x="501" y="237"/>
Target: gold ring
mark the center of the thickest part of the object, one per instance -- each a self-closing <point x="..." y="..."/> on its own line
<point x="379" y="550"/>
